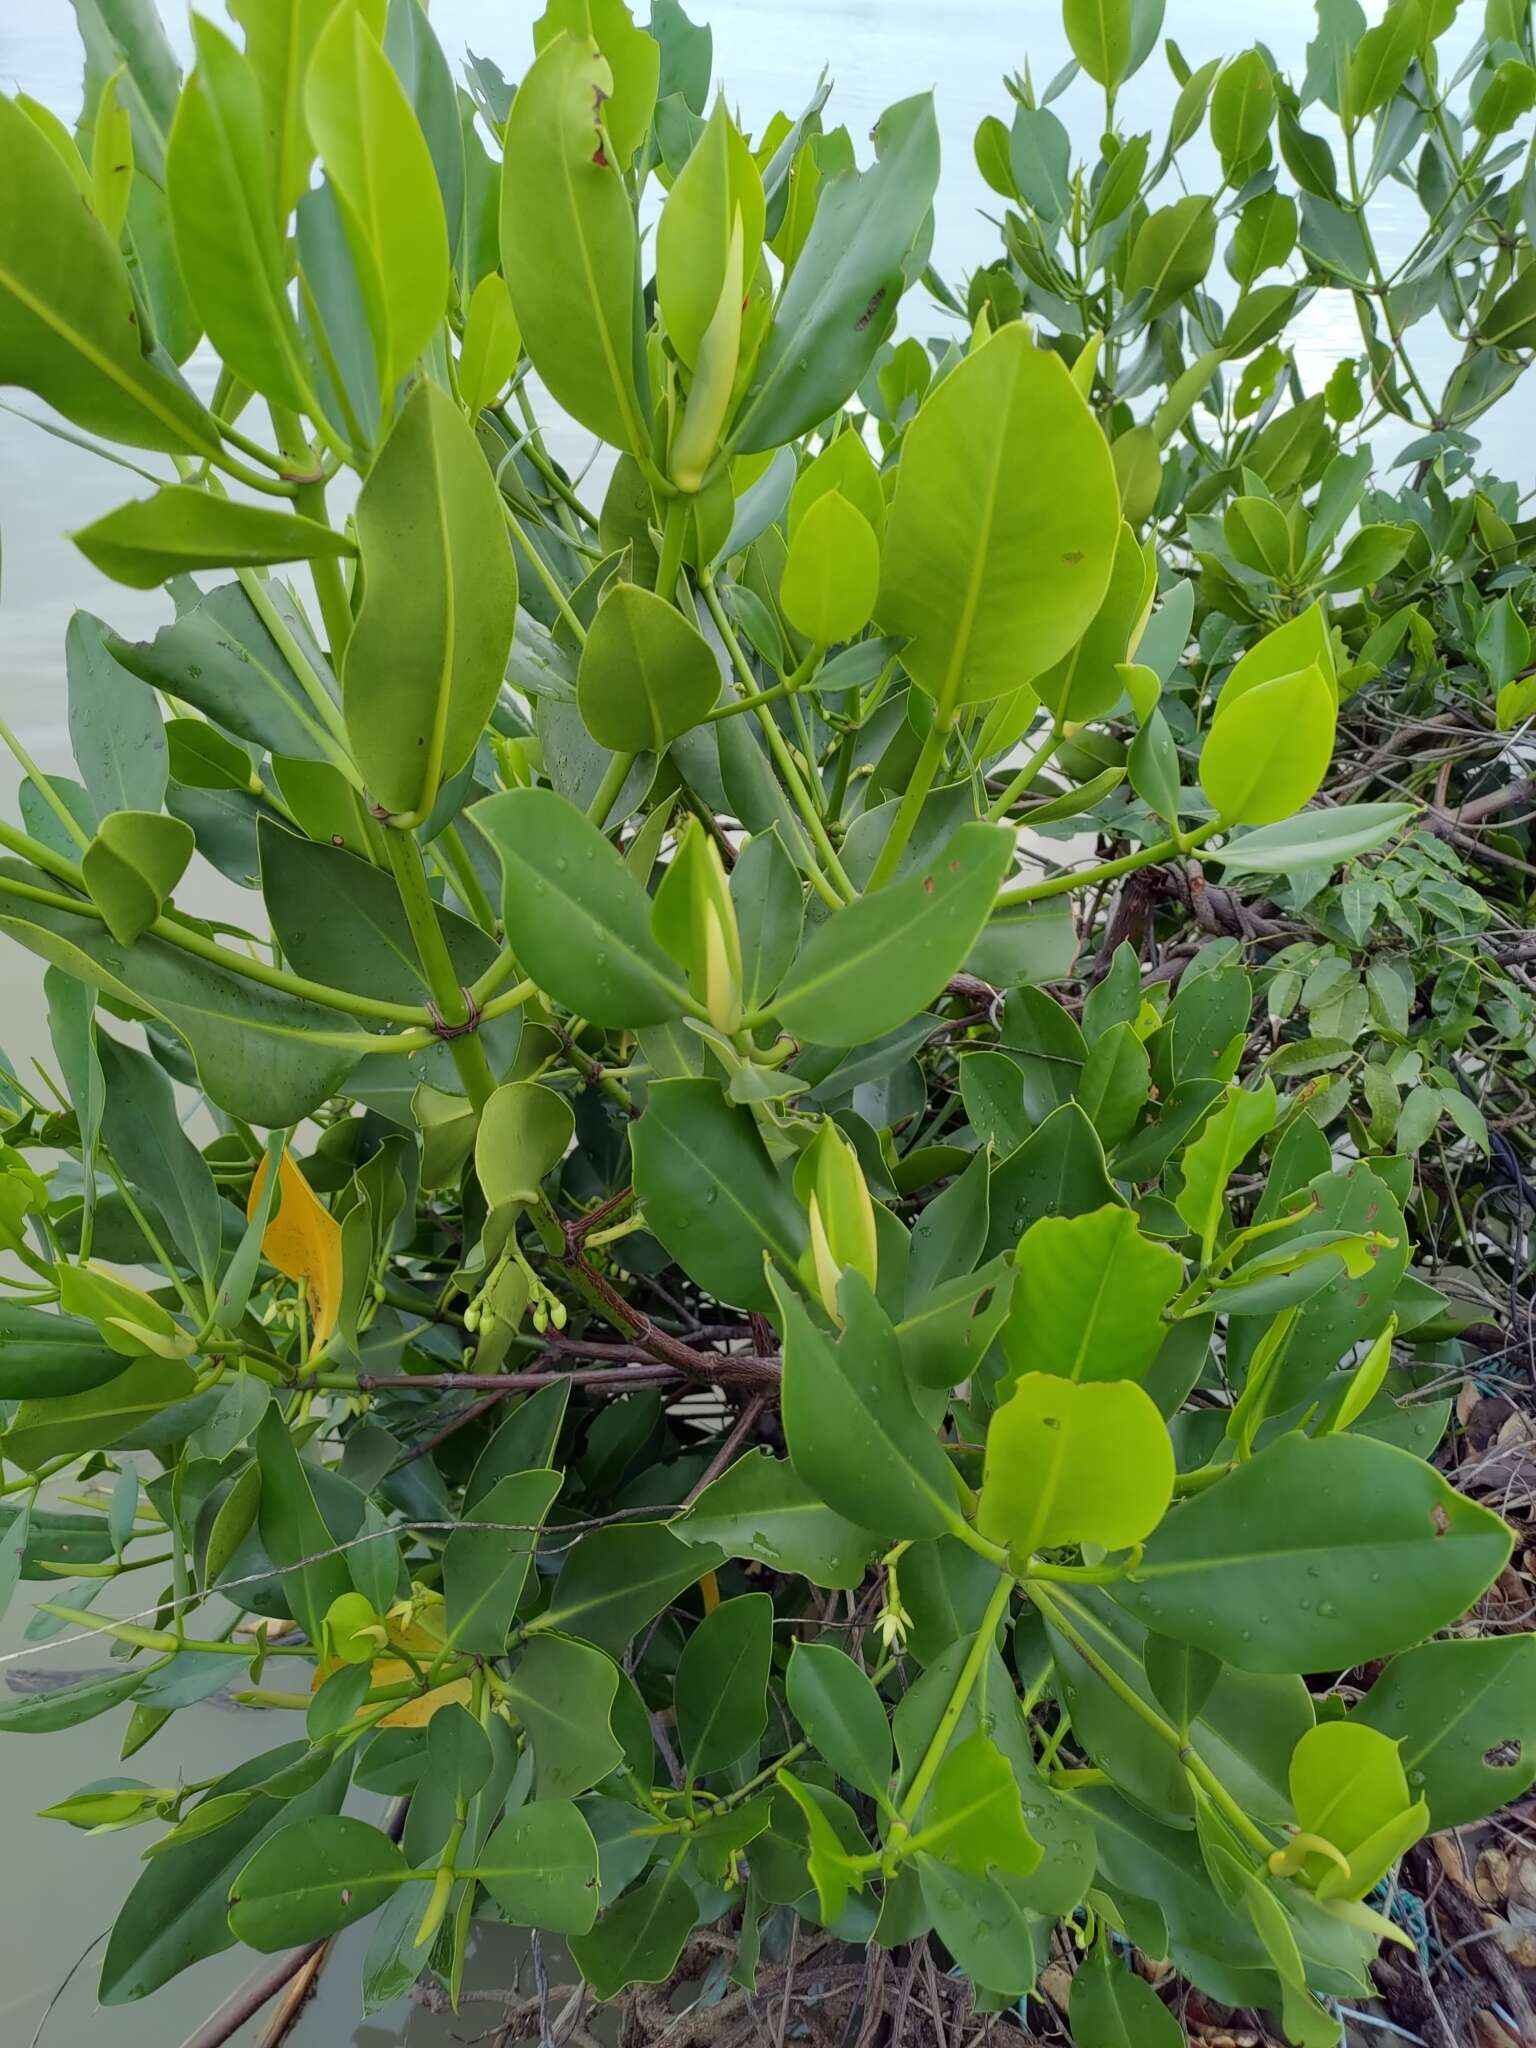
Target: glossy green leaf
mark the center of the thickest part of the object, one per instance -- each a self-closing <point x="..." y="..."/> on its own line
<point x="1267" y="752"/>
<point x="639" y="1939"/>
<point x="485" y="1569"/>
<point x="880" y="960"/>
<point x="220" y="177"/>
<point x="1172" y="251"/>
<point x="1349" y="1788"/>
<point x="182" y="528"/>
<point x="540" y="1866"/>
<point x="646" y="674"/>
<point x="842" y="1714"/>
<point x="380" y="170"/>
<point x="426" y="657"/>
<point x="854" y="1436"/>
<point x="1114" y="2008"/>
<point x="577" y="919"/>
<point x="993" y="584"/>
<point x="1463" y="1715"/>
<point x="1314" y="1556"/>
<point x="563" y="1693"/>
<point x="762" y="1509"/>
<point x="1069" y="1463"/>
<point x="1226" y="1138"/>
<point x="1318" y="838"/>
<point x="1090" y="1298"/>
<point x="615" y="1580"/>
<point x="44" y="1354"/>
<point x="972" y="1819"/>
<point x="840" y="301"/>
<point x="69" y="330"/>
<point x="710" y="1192"/>
<point x="102" y="1415"/>
<point x="311" y="1880"/>
<point x="719" y="189"/>
<point x="131" y="867"/>
<point x="1100" y="32"/>
<point x="832" y="574"/>
<point x="568" y="244"/>
<point x="115" y="730"/>
<point x="722" y="1683"/>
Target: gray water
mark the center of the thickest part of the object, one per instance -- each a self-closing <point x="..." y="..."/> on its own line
<point x="58" y="1889"/>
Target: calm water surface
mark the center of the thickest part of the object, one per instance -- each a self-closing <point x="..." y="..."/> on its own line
<point x="58" y="1889"/>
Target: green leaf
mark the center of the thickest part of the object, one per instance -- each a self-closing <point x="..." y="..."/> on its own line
<point x="986" y="1925"/>
<point x="1315" y="1556"/>
<point x="832" y="575"/>
<point x="69" y="330"/>
<point x="576" y="917"/>
<point x="646" y="673"/>
<point x="311" y="1879"/>
<point x="294" y="1533"/>
<point x="563" y="1693"/>
<point x="1382" y="56"/>
<point x="221" y="180"/>
<point x="492" y="345"/>
<point x="524" y="1131"/>
<point x="1226" y="1138"/>
<point x="839" y="303"/>
<point x="835" y="1703"/>
<point x="877" y="962"/>
<point x="44" y="1355"/>
<point x="92" y="1420"/>
<point x="1002" y="534"/>
<point x="1172" y="252"/>
<point x="1114" y="2008"/>
<point x="427" y="655"/>
<point x="638" y="1940"/>
<point x="485" y="1570"/>
<point x="718" y="186"/>
<point x="1059" y="1170"/>
<point x="1116" y="1082"/>
<point x="1268" y="750"/>
<point x="1069" y="1463"/>
<point x="221" y="656"/>
<point x="380" y="170"/>
<point x="131" y="867"/>
<point x="1090" y="1297"/>
<point x="721" y="1689"/>
<point x="1349" y="1788"/>
<point x="853" y="1433"/>
<point x="972" y="1819"/>
<point x="45" y="1713"/>
<point x="1463" y="1715"/>
<point x="1315" y="839"/>
<point x="540" y="1866"/>
<point x="1242" y="107"/>
<point x="259" y="1054"/>
<point x="569" y="246"/>
<point x="181" y="528"/>
<point x="142" y="1128"/>
<point x="617" y="1579"/>
<point x="829" y="1863"/>
<point x="115" y="733"/>
<point x="1100" y="32"/>
<point x="762" y="1509"/>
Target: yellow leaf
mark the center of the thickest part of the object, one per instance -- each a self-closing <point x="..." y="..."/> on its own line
<point x="303" y="1240"/>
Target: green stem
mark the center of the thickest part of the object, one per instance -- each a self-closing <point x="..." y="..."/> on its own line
<point x="965" y="1685"/>
<point x="45" y="788"/>
<point x="545" y="574"/>
<point x="785" y="761"/>
<point x="1109" y="870"/>
<point x="615" y="775"/>
<point x="452" y="856"/>
<point x="674" y="531"/>
<point x="911" y="808"/>
<point x="1004" y="803"/>
<point x="1050" y="1605"/>
<point x="474" y="1069"/>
